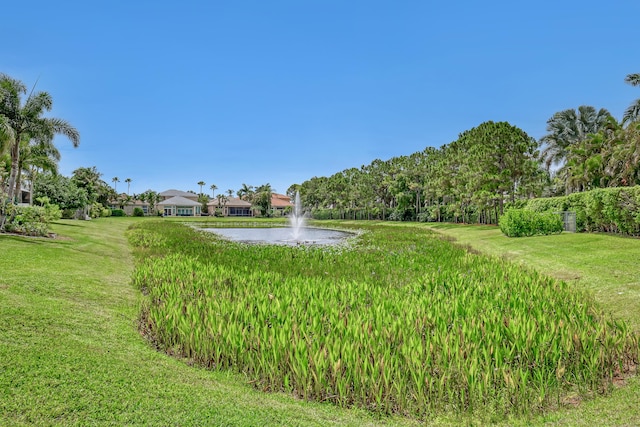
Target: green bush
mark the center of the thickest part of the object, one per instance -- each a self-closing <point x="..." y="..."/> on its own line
<point x="424" y="217"/>
<point x="32" y="220"/>
<point x="95" y="210"/>
<point x="137" y="211"/>
<point x="523" y="222"/>
<point x="106" y="212"/>
<point x="609" y="210"/>
<point x="117" y="212"/>
<point x="69" y="213"/>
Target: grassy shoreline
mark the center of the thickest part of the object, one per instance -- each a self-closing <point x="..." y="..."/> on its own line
<point x="70" y="352"/>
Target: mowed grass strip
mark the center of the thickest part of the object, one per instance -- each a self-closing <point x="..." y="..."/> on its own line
<point x="404" y="322"/>
<point x="71" y="352"/>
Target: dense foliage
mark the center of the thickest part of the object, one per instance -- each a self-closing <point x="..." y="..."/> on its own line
<point x="400" y="322"/>
<point x="523" y="222"/>
<point x="32" y="220"/>
<point x="468" y="180"/>
<point x="611" y="210"/>
<point x="61" y="190"/>
<point x="26" y="133"/>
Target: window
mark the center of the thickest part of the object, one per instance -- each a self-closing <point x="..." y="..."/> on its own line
<point x="184" y="211"/>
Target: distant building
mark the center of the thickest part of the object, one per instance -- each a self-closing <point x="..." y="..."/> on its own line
<point x="129" y="206"/>
<point x="182" y="203"/>
<point x="232" y="207"/>
<point x="24" y="197"/>
<point x="179" y="203"/>
<point x="280" y="203"/>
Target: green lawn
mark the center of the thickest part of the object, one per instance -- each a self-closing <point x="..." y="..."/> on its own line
<point x="70" y="352"/>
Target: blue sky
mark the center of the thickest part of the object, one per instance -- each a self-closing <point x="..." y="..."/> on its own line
<point x="170" y="93"/>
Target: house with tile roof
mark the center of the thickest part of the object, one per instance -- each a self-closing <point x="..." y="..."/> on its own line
<point x="128" y="204"/>
<point x="233" y="206"/>
<point x="280" y="204"/>
<point x="179" y="203"/>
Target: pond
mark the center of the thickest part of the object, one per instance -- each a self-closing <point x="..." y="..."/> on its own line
<point x="282" y="235"/>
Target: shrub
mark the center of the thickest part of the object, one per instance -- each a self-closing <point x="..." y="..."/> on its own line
<point x="105" y="212"/>
<point x="69" y="213"/>
<point x="523" y="222"/>
<point x="32" y="220"/>
<point x="137" y="211"/>
<point x="396" y="215"/>
<point x="117" y="212"/>
<point x="610" y="210"/>
<point x="95" y="210"/>
<point x="424" y="217"/>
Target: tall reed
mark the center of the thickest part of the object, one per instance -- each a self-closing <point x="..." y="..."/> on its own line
<point x="403" y="322"/>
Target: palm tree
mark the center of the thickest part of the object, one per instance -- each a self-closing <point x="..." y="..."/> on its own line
<point x="128" y="181"/>
<point x="632" y="113"/>
<point x="262" y="198"/>
<point x="245" y="192"/>
<point x="25" y="120"/>
<point x="115" y="181"/>
<point x="36" y="157"/>
<point x="201" y="184"/>
<point x="623" y="157"/>
<point x="569" y="127"/>
<point x="152" y="198"/>
<point x="90" y="180"/>
<point x="6" y="134"/>
<point x="213" y="188"/>
<point x="229" y="192"/>
<point x="586" y="165"/>
<point x="222" y="201"/>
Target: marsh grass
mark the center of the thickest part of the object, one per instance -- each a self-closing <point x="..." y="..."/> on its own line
<point x="602" y="264"/>
<point x="404" y="322"/>
<point x="71" y="353"/>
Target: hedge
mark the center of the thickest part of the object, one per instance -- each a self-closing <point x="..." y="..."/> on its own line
<point x="524" y="222"/>
<point x="609" y="210"/>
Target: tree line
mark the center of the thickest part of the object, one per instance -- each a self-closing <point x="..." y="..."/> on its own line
<point x="468" y="180"/>
<point x="472" y="178"/>
<point x="26" y="140"/>
<point x="259" y="197"/>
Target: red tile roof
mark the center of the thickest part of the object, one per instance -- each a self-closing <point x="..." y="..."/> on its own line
<point x="280" y="200"/>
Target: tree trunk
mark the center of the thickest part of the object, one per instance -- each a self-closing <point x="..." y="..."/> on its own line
<point x="18" y="190"/>
<point x="15" y="168"/>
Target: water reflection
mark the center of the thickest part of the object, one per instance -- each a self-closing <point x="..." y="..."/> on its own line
<point x="282" y="235"/>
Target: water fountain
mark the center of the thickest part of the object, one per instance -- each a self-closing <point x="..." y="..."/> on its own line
<point x="297" y="219"/>
<point x="295" y="234"/>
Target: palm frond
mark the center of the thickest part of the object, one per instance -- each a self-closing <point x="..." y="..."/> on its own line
<point x="632" y="113"/>
<point x="633" y="79"/>
<point x="63" y="127"/>
<point x="37" y="104"/>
